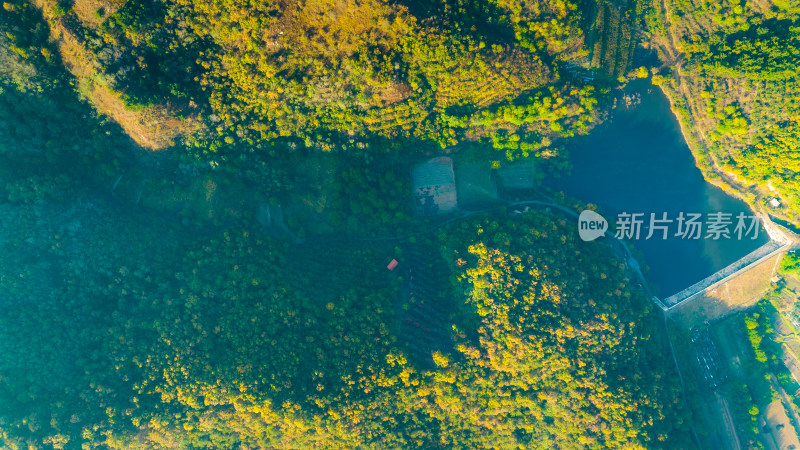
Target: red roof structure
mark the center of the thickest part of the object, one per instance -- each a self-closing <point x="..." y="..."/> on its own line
<point x="392" y="265"/>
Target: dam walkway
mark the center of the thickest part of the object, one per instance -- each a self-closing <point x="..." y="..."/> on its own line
<point x="779" y="242"/>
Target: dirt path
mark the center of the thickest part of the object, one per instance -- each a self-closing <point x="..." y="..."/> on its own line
<point x="673" y="46"/>
<point x="153" y="127"/>
<point x="727" y="419"/>
<point x="680" y="376"/>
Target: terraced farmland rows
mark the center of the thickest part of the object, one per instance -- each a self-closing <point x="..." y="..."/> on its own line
<point x="423" y="312"/>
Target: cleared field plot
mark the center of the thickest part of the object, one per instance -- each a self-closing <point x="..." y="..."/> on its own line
<point x="778" y="427"/>
<point x="476" y="189"/>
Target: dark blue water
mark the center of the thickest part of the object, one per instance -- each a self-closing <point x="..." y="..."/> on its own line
<point x="638" y="162"/>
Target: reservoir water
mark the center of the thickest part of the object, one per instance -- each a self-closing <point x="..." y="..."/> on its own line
<point x="638" y="162"/>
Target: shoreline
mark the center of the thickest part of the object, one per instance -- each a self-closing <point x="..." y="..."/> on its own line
<point x="704" y="159"/>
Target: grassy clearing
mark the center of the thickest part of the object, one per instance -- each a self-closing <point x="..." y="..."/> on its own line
<point x="92" y="13"/>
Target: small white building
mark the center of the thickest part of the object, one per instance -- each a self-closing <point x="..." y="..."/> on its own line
<point x="775" y="203"/>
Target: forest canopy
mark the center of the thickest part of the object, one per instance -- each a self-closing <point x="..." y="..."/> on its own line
<point x="251" y="81"/>
<point x="152" y="302"/>
<point x="552" y="346"/>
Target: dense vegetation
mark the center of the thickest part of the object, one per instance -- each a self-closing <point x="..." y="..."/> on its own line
<point x="735" y="87"/>
<point x="148" y="305"/>
<point x="241" y="345"/>
<point x="255" y="81"/>
<point x="790" y="264"/>
<point x="765" y="362"/>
